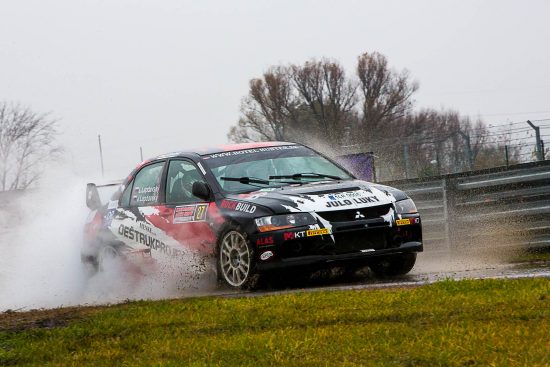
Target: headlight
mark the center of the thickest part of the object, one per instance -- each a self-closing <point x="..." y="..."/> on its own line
<point x="405" y="207"/>
<point x="266" y="224"/>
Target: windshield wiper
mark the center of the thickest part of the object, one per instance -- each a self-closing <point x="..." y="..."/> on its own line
<point x="246" y="180"/>
<point x="298" y="176"/>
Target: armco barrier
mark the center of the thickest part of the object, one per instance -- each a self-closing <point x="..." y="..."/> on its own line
<point x="506" y="206"/>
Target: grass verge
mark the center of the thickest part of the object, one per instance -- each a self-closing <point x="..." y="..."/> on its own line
<point x="450" y="323"/>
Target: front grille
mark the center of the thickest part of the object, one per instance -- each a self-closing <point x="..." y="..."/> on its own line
<point x="351" y="214"/>
<point x="356" y="241"/>
<point x="347" y="242"/>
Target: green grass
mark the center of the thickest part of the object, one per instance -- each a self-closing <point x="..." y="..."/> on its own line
<point x="450" y="323"/>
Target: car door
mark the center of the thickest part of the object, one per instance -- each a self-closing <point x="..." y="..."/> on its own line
<point x="183" y="216"/>
<point x="133" y="221"/>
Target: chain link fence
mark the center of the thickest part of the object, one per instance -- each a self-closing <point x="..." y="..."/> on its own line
<point x="419" y="156"/>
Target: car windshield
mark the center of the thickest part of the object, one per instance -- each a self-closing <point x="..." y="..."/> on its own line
<point x="248" y="170"/>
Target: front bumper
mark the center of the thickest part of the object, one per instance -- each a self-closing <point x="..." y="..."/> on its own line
<point x="329" y="260"/>
<point x="346" y="242"/>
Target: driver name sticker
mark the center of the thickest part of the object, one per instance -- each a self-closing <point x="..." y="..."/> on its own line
<point x="190" y="213"/>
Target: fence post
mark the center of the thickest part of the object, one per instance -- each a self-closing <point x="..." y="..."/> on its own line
<point x="537" y="137"/>
<point x="406" y="159"/>
<point x="506" y="155"/>
<point x="469" y="157"/>
<point x="446" y="202"/>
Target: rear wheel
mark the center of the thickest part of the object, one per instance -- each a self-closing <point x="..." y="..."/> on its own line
<point x="107" y="255"/>
<point x="236" y="259"/>
<point x="393" y="265"/>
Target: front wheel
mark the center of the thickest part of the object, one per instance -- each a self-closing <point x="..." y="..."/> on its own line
<point x="393" y="265"/>
<point x="236" y="259"/>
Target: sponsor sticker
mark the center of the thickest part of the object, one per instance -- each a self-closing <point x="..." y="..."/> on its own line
<point x="403" y="222"/>
<point x="251" y="151"/>
<point x="148" y="240"/>
<point x="266" y="255"/>
<point x="238" y="206"/>
<point x="201" y="168"/>
<point x="346" y="195"/>
<point x="108" y="218"/>
<point x="293" y="235"/>
<point x="190" y="213"/>
<point x="265" y="241"/>
<point x="317" y="232"/>
<point x="334" y="202"/>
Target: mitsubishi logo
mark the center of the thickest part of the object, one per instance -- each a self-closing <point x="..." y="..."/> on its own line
<point x="358" y="215"/>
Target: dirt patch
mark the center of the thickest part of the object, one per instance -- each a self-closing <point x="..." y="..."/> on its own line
<point x="15" y="321"/>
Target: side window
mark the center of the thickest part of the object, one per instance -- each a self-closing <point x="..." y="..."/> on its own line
<point x="145" y="190"/>
<point x="125" y="199"/>
<point x="179" y="182"/>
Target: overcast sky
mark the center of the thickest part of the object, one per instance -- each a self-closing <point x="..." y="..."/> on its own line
<point x="170" y="74"/>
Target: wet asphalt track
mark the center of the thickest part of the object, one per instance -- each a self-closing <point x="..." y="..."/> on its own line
<point x="418" y="277"/>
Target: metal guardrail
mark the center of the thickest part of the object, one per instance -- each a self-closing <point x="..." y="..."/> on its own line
<point x="506" y="206"/>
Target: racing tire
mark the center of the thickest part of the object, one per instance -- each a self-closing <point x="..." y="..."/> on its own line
<point x="89" y="264"/>
<point x="106" y="254"/>
<point x="236" y="259"/>
<point x="393" y="265"/>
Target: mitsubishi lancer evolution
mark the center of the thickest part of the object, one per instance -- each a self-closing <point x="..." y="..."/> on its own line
<point x="254" y="208"/>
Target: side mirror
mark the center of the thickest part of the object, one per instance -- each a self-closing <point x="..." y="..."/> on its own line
<point x="201" y="190"/>
<point x="92" y="197"/>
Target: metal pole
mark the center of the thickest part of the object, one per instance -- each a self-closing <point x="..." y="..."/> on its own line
<point x="406" y="158"/>
<point x="438" y="164"/>
<point x="506" y="154"/>
<point x="373" y="169"/>
<point x="141" y="153"/>
<point x="540" y="156"/>
<point x="469" y="154"/>
<point x="446" y="201"/>
<point x="101" y="156"/>
<point x="542" y="148"/>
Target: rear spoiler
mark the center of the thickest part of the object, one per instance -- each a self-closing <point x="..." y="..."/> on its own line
<point x="93" y="199"/>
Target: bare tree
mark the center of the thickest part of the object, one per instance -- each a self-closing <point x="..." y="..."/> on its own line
<point x="27" y="139"/>
<point x="305" y="103"/>
<point x="329" y="96"/>
<point x="268" y="111"/>
<point x="386" y="93"/>
<point x="317" y="104"/>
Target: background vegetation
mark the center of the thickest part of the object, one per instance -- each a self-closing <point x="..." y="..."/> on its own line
<point x="27" y="142"/>
<point x="318" y="104"/>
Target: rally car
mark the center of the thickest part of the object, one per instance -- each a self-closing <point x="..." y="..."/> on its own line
<point x="254" y="208"/>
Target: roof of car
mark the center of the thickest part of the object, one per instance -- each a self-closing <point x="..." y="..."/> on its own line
<point x="241" y="146"/>
<point x="213" y="150"/>
<point x="226" y="148"/>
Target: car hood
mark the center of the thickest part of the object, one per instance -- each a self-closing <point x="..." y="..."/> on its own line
<point x="322" y="196"/>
